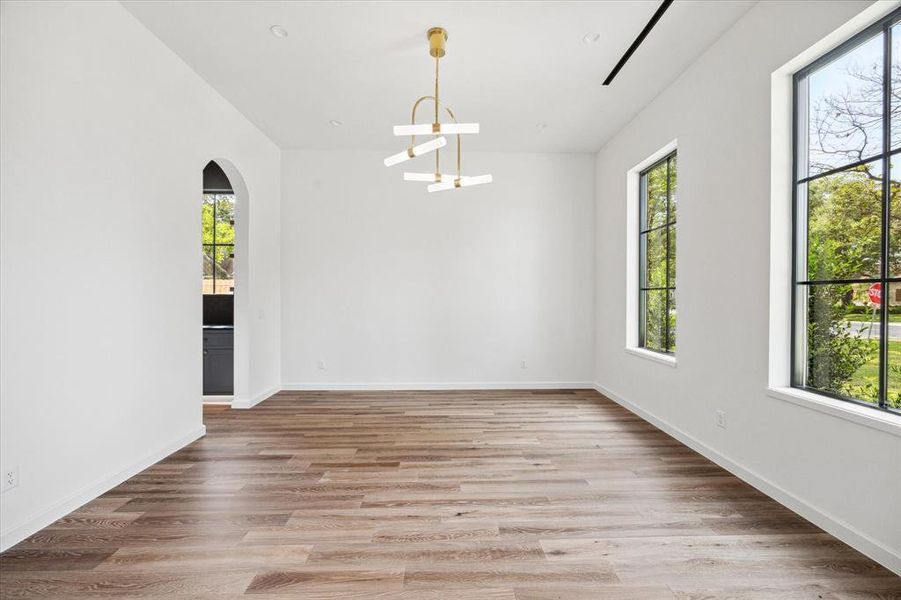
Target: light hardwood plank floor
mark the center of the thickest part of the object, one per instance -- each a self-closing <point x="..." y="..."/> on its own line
<point x="489" y="495"/>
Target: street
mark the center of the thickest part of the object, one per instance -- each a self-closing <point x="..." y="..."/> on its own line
<point x="862" y="329"/>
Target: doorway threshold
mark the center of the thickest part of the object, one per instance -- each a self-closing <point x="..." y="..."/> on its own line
<point x="218" y="399"/>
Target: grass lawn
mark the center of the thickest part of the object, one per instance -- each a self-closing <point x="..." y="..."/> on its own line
<point x="865" y="317"/>
<point x="869" y="372"/>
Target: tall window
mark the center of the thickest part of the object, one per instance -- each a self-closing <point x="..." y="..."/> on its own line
<point x="218" y="243"/>
<point x="846" y="333"/>
<point x="657" y="262"/>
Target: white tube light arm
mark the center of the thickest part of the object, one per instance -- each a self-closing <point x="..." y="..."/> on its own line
<point x="415" y="151"/>
<point x="436" y="128"/>
<point x="460" y="182"/>
<point x="428" y="177"/>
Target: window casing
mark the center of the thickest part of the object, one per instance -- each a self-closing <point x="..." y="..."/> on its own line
<point x="657" y="256"/>
<point x="218" y="242"/>
<point x="846" y="267"/>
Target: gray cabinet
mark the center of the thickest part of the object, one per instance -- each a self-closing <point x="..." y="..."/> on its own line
<point x="218" y="361"/>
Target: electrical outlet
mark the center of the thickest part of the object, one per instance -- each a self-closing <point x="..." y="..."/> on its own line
<point x="721" y="419"/>
<point x="522" y="364"/>
<point x="322" y="365"/>
<point x="10" y="478"/>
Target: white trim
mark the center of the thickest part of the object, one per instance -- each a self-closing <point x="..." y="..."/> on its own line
<point x="632" y="215"/>
<point x="840" y="35"/>
<point x="822" y="519"/>
<point x="666" y="359"/>
<point x="45" y="517"/>
<point x="250" y="403"/>
<point x="243" y="322"/>
<point x="430" y="385"/>
<point x="862" y="415"/>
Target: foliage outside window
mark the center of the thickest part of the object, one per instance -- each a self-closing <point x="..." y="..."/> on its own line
<point x="847" y="221"/>
<point x="657" y="262"/>
<point x="218" y="243"/>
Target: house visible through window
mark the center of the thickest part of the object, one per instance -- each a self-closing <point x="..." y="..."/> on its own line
<point x="657" y="256"/>
<point x="846" y="332"/>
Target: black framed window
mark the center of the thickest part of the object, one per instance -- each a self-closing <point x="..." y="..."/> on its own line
<point x="218" y="243"/>
<point x="657" y="256"/>
<point x="846" y="329"/>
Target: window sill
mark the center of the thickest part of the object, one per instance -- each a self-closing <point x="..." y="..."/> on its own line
<point x="877" y="419"/>
<point x="664" y="359"/>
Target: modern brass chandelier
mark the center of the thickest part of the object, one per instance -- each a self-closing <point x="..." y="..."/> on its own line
<point x="438" y="181"/>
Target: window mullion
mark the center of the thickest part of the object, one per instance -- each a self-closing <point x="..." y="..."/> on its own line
<point x="846" y="167"/>
<point x="798" y="375"/>
<point x="656" y="228"/>
<point x="886" y="214"/>
<point x="642" y="261"/>
<point x="642" y="266"/>
<point x="215" y="217"/>
<point x="666" y="344"/>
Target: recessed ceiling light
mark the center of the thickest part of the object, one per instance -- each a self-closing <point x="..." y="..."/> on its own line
<point x="335" y="123"/>
<point x="279" y="32"/>
<point x="590" y="38"/>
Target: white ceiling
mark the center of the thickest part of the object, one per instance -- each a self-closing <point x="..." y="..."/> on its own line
<point x="509" y="65"/>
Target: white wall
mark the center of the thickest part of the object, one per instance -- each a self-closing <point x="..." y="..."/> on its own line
<point x="392" y="286"/>
<point x="105" y="133"/>
<point x="844" y="475"/>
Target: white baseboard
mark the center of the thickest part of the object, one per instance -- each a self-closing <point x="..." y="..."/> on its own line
<point x="822" y="519"/>
<point x="251" y="402"/>
<point x="45" y="517"/>
<point x="218" y="399"/>
<point x="431" y="386"/>
<point x="424" y="386"/>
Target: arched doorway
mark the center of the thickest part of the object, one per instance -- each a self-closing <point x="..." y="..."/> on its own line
<point x="224" y="289"/>
<point x="218" y="246"/>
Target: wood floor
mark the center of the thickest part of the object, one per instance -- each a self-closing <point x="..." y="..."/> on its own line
<point x="436" y="495"/>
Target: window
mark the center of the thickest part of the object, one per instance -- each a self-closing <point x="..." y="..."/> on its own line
<point x="218" y="243"/>
<point x="657" y="256"/>
<point x="846" y="330"/>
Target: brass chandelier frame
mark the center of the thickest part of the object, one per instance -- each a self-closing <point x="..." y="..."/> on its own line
<point x="437" y="37"/>
<point x="435" y="127"/>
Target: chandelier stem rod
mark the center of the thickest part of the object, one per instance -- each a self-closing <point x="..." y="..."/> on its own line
<point x="437" y="156"/>
<point x="437" y="109"/>
<point x="436" y="89"/>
